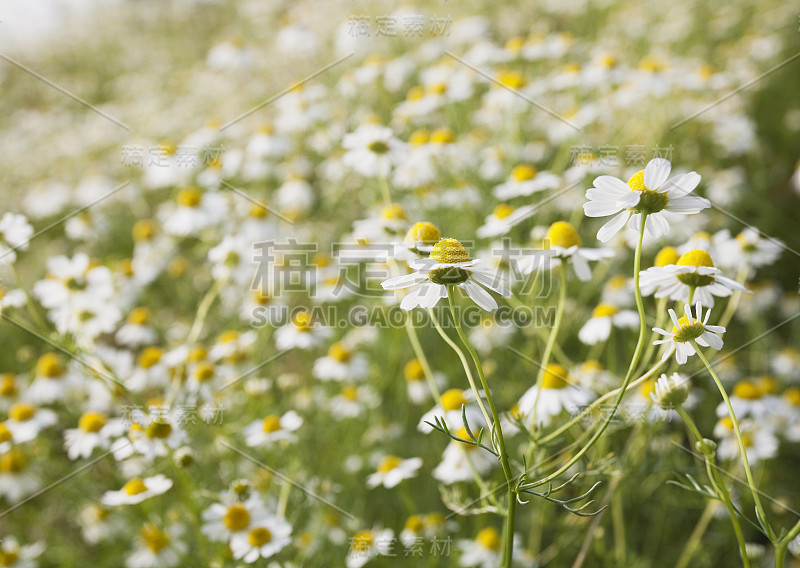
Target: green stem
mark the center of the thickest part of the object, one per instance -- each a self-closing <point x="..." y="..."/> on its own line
<point x="637" y="261"/>
<point x="387" y="199"/>
<point x="31" y="304"/>
<point x="661" y="319"/>
<point x="697" y="535"/>
<point x="742" y="448"/>
<point x="783" y="544"/>
<point x="733" y="303"/>
<point x="423" y="361"/>
<point x="508" y="530"/>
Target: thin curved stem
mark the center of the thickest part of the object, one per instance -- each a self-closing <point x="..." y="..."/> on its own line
<point x="742" y="448"/>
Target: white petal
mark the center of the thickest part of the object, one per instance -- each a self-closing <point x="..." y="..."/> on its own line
<point x="491" y="281"/>
<point x="413" y="298"/>
<point x="405" y="281"/>
<point x="479" y="295"/>
<point x="656" y="225"/>
<point x="612" y="185"/>
<point x="581" y="267"/>
<point x="630" y="200"/>
<point x="681" y="185"/>
<point x="613" y="226"/>
<point x="599" y="208"/>
<point x="656" y="173"/>
<point x="688" y="205"/>
<point x="714" y="341"/>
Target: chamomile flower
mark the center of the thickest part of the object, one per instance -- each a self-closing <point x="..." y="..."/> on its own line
<point x="694" y="269"/>
<point x="449" y="411"/>
<point x="15" y="232"/>
<point x="760" y="442"/>
<point x="25" y="421"/>
<point x="556" y="393"/>
<point x="448" y="264"/>
<point x="419" y="241"/>
<point x="12" y="554"/>
<point x="604" y="316"/>
<point x="195" y="210"/>
<point x="485" y="550"/>
<point x="460" y="461"/>
<point x="502" y="219"/>
<point x="372" y="150"/>
<point x="564" y="245"/>
<point x="157" y="548"/>
<point x="224" y="520"/>
<point x="264" y="539"/>
<point x="749" y="248"/>
<point x="94" y="431"/>
<point x="392" y="470"/>
<point x="137" y="490"/>
<point x="750" y="399"/>
<point x="524" y="180"/>
<point x="16" y="480"/>
<point x="154" y="440"/>
<point x="352" y="401"/>
<point x="340" y="364"/>
<point x="688" y="329"/>
<point x="136" y="331"/>
<point x="368" y="544"/>
<point x="272" y="429"/>
<point x="649" y="192"/>
<point x="301" y="333"/>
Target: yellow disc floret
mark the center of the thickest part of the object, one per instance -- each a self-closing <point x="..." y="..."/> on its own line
<point x="135" y="486"/>
<point x="452" y="399"/>
<point x="413" y="371"/>
<point x="555" y="377"/>
<point x="272" y="424"/>
<point x="259" y="536"/>
<point x="49" y="366"/>
<point x="747" y="390"/>
<point x="502" y="211"/>
<point x="393" y="212"/>
<point x="449" y="251"/>
<point x="92" y="421"/>
<point x="153" y="538"/>
<point x="604" y="310"/>
<point x="21" y="412"/>
<point x="389" y="463"/>
<point x="698" y="258"/>
<point x="236" y="518"/>
<point x="489" y="538"/>
<point x="667" y="255"/>
<point x="190" y="197"/>
<point x="423" y="232"/>
<point x="523" y="172"/>
<point x="562" y="234"/>
<point x="339" y="353"/>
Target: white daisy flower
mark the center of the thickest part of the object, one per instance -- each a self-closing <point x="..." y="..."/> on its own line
<point x="648" y="191"/>
<point x="449" y="410"/>
<point x="670" y="391"/>
<point x="232" y="346"/>
<point x="460" y="461"/>
<point x="556" y="393"/>
<point x="12" y="554"/>
<point x="564" y="245"/>
<point x="15" y="232"/>
<point x="392" y="470"/>
<point x="195" y="211"/>
<point x="749" y="399"/>
<point x="300" y="333"/>
<point x="352" y="401"/>
<point x="136" y="331"/>
<point x="372" y="150"/>
<point x="151" y="441"/>
<point x="158" y="548"/>
<point x="419" y="241"/>
<point x="223" y="521"/>
<point x="137" y="490"/>
<point x="449" y="264"/>
<point x="368" y="544"/>
<point x="25" y="421"/>
<point x="340" y="364"/>
<point x="263" y="539"/>
<point x="749" y="248"/>
<point x="524" y="180"/>
<point x="685" y="330"/>
<point x="272" y="429"/>
<point x="694" y="269"/>
<point x="502" y="219"/>
<point x="16" y="479"/>
<point x="93" y="431"/>
<point x="485" y="550"/>
<point x="598" y="327"/>
<point x="760" y="442"/>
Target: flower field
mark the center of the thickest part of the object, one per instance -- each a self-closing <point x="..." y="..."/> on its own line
<point x="358" y="284"/>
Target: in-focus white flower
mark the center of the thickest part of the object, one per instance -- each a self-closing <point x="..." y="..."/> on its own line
<point x="648" y="191"/>
<point x="688" y="329"/>
<point x="137" y="490"/>
<point x="392" y="470"/>
<point x="694" y="269"/>
<point x="563" y="244"/>
<point x="604" y="316"/>
<point x="449" y="264"/>
<point x="264" y="538"/>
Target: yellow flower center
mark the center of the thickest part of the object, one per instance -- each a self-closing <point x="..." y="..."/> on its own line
<point x="135" y="486"/>
<point x="650" y="201"/>
<point x="442" y="136"/>
<point x="350" y="393"/>
<point x="48" y="366"/>
<point x="502" y="211"/>
<point x="449" y="251"/>
<point x="9" y="558"/>
<point x="434" y="519"/>
<point x="591" y="365"/>
<point x="636" y="181"/>
<point x="453" y="399"/>
<point x="139" y="316"/>
<point x="5" y="433"/>
<point x="747" y="390"/>
<point x="555" y="377"/>
<point x="92" y="421"/>
<point x="727" y="422"/>
<point x="339" y="352"/>
<point x="389" y="463"/>
<point x="523" y="172"/>
<point x="150" y="356"/>
<point x="647" y="388"/>
<point x="604" y="310"/>
<point x="21" y="412"/>
<point x="236" y="517"/>
<point x="489" y="538"/>
<point x="688" y="330"/>
<point x="415" y="93"/>
<point x="272" y="423"/>
<point x="438" y="88"/>
<point x="204" y="372"/>
<point x="768" y="384"/>
<point x="143" y="230"/>
<point x="363" y="540"/>
<point x="512" y="79"/>
<point x="302" y="321"/>
<point x="153" y="538"/>
<point x="562" y="234"/>
<point x="393" y="212"/>
<point x="414" y="523"/>
<point x="158" y="430"/>
<point x="259" y="536"/>
<point x="696" y="257"/>
<point x="8" y="385"/>
<point x="667" y="255"/>
<point x="462" y="435"/>
<point x="13" y="461"/>
<point x="423" y="232"/>
<point x="792" y="394"/>
<point x="228" y="336"/>
<point x="419" y="137"/>
<point x="197" y="353"/>
<point x="413" y="371"/>
<point x="190" y="197"/>
<point x="257" y="211"/>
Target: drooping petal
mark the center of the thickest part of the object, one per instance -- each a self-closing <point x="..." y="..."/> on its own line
<point x="479" y="295"/>
<point x="597" y="208"/>
<point x="613" y="226"/>
<point x="714" y="341"/>
<point x="680" y="185"/>
<point x="491" y="281"/>
<point x="630" y="200"/>
<point x="405" y="281"/>
<point x="656" y="225"/>
<point x="581" y="267"/>
<point x="687" y="205"/>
